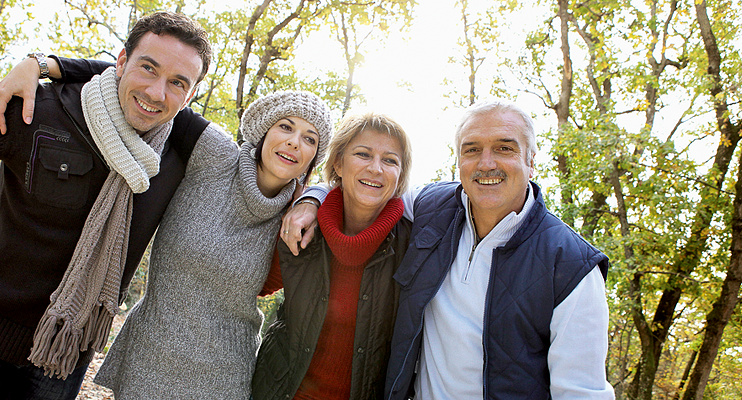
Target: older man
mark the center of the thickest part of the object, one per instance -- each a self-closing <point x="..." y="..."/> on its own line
<point x="499" y="298"/>
<point x="83" y="188"/>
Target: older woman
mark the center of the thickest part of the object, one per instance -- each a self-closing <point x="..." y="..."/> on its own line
<point x="331" y="340"/>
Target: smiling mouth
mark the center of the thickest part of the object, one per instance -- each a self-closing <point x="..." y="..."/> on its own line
<point x="287" y="157"/>
<point x="146" y="107"/>
<point x="488" y="181"/>
<point x="367" y="183"/>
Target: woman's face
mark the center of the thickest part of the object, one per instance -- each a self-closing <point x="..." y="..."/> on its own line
<point x="370" y="168"/>
<point x="288" y="148"/>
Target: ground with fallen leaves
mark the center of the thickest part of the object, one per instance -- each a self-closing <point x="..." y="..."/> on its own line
<point x="89" y="390"/>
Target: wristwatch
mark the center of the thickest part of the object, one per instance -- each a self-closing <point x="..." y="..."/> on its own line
<point x="43" y="67"/>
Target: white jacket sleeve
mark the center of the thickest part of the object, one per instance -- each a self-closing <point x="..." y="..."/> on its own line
<point x="320" y="191"/>
<point x="579" y="343"/>
<point x="408" y="199"/>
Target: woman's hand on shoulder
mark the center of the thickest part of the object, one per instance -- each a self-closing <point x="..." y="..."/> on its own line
<point x="21" y="81"/>
<point x="299" y="223"/>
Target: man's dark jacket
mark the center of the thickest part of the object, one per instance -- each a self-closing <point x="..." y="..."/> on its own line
<point x="530" y="275"/>
<point x="289" y="344"/>
<point x="50" y="176"/>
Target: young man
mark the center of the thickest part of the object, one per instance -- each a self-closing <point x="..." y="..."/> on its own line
<point x="499" y="298"/>
<point x="82" y="190"/>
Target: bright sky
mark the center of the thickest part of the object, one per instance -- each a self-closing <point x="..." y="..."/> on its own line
<point x="418" y="59"/>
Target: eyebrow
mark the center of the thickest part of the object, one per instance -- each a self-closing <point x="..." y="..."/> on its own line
<point x="369" y="148"/>
<point x="502" y="140"/>
<point x="157" y="65"/>
<point x="294" y="124"/>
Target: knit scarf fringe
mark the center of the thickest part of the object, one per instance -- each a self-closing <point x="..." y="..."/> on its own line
<point x="82" y="308"/>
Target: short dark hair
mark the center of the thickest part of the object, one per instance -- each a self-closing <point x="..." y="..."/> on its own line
<point x="176" y="25"/>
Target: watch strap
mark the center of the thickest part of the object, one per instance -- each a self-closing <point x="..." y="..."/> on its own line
<point x="43" y="66"/>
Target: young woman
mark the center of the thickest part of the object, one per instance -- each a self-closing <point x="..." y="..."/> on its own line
<point x="332" y="338"/>
<point x="196" y="331"/>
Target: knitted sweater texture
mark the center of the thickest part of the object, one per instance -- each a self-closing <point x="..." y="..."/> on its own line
<point x="195" y="334"/>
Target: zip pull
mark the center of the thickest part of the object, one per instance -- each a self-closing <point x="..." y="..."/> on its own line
<point x="471" y="254"/>
<point x="468" y="264"/>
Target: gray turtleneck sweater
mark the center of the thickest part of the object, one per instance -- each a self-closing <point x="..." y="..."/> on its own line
<point x="195" y="334"/>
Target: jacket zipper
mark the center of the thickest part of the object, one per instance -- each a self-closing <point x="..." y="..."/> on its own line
<point x="468" y="266"/>
<point x="422" y="315"/>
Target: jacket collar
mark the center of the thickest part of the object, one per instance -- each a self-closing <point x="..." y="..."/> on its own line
<point x="69" y="96"/>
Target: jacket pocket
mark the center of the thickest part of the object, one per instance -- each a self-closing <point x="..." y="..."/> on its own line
<point x="421" y="247"/>
<point x="61" y="177"/>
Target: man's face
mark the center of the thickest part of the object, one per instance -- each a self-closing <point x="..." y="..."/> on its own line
<point x="157" y="80"/>
<point x="494" y="166"/>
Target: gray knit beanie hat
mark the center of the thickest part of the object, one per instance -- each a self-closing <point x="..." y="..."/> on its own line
<point x="267" y="110"/>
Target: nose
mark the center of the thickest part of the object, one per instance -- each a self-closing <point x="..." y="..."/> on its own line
<point x="375" y="165"/>
<point x="156" y="91"/>
<point x="293" y="140"/>
<point x="487" y="161"/>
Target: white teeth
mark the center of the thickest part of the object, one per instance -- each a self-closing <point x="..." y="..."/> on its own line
<point x="376" y="185"/>
<point x="146" y="107"/>
<point x="286" y="156"/>
<point x="492" y="181"/>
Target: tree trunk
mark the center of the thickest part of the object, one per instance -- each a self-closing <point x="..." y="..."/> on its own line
<point x="686" y="373"/>
<point x="562" y="108"/>
<point x="249" y="40"/>
<point x="273" y="52"/>
<point x="270" y="53"/>
<point x="654" y="334"/>
<point x="470" y="58"/>
<point x="719" y="316"/>
<point x="723" y="308"/>
<point x="345" y="41"/>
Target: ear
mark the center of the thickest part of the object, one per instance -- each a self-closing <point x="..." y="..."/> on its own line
<point x="532" y="167"/>
<point x="338" y="167"/>
<point x="193" y="93"/>
<point x="120" y="62"/>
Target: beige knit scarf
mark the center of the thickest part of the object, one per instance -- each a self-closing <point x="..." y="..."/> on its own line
<point x="82" y="308"/>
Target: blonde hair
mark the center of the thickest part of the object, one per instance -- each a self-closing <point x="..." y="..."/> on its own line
<point x="353" y="125"/>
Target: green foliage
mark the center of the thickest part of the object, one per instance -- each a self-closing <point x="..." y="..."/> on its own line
<point x="11" y="33"/>
<point x="638" y="143"/>
<point x="269" y="306"/>
<point x="449" y="170"/>
<point x="138" y="283"/>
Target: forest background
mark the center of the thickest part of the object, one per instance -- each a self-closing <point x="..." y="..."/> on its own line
<point x="637" y="105"/>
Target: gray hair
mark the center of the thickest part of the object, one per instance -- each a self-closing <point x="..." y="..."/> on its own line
<point x="499" y="107"/>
